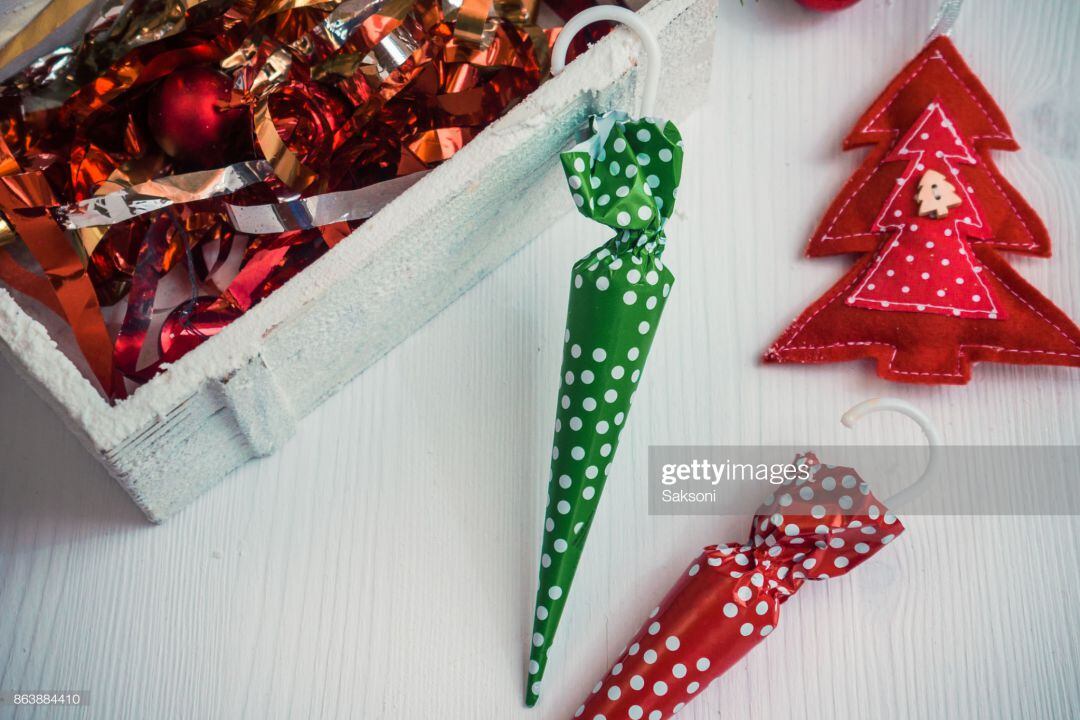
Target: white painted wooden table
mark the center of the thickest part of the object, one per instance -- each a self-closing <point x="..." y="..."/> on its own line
<point x="383" y="563"/>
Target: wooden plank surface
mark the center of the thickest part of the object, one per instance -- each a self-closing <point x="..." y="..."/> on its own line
<point x="382" y="564"/>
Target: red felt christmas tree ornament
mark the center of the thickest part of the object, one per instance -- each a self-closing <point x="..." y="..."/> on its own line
<point x="929" y="215"/>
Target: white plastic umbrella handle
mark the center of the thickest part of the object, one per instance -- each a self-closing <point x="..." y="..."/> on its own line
<point x="625" y="17"/>
<point x="933" y="439"/>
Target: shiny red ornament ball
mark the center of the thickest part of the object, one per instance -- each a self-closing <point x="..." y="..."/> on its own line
<point x="190" y="325"/>
<point x="191" y="117"/>
<point x="827" y="5"/>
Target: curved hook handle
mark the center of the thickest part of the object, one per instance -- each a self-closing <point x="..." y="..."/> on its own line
<point x="933" y="439"/>
<point x="619" y="15"/>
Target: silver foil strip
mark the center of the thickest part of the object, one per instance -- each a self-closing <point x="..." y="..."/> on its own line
<point x="160" y="193"/>
<point x="320" y="209"/>
<point x="345" y="19"/>
<point x="392" y="51"/>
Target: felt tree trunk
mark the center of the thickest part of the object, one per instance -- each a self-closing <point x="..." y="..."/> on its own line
<point x="929" y="212"/>
<point x="624" y="177"/>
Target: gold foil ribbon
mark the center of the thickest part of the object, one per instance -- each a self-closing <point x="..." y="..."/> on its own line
<point x="286" y="164"/>
<point x="471" y="20"/>
<point x="273" y="7"/>
<point x="26" y="198"/>
<point x="49" y="19"/>
<point x="378" y="20"/>
<point x="140" y="22"/>
<point x="159" y="19"/>
<point x="472" y="17"/>
<point x="519" y="12"/>
<point x="7" y="235"/>
<point x="8" y="166"/>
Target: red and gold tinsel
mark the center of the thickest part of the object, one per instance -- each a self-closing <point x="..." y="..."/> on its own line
<point x="134" y="163"/>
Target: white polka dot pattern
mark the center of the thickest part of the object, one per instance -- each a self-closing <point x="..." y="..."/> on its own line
<point x="928" y="265"/>
<point x="626" y="174"/>
<point x="729" y="599"/>
<point x="617" y="295"/>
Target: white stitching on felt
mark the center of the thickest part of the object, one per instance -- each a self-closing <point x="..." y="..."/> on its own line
<point x="994" y="313"/>
<point x="960" y="355"/>
<point x="853" y="235"/>
<point x="1000" y="135"/>
<point x="1035" y="310"/>
<point x="850" y="196"/>
<point x="800" y="326"/>
<point x="825" y="236"/>
<point x="988" y="166"/>
<point x="885" y="222"/>
<point x="853" y="343"/>
<point x="959" y="358"/>
<point x="867" y="129"/>
<point x="911" y="78"/>
<point x="1031" y="245"/>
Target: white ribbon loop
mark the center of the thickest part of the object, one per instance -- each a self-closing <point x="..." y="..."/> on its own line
<point x="946" y="18"/>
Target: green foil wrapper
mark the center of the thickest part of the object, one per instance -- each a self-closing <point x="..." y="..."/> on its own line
<point x="624" y="176"/>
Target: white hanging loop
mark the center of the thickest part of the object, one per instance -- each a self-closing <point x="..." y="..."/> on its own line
<point x="619" y="15"/>
<point x="933" y="439"/>
<point x="946" y="18"/>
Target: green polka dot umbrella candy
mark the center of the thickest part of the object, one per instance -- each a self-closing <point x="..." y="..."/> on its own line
<point x="625" y="177"/>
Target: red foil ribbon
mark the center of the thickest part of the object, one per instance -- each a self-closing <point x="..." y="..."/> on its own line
<point x="342" y="96"/>
<point x="25" y="199"/>
<point x="729" y="599"/>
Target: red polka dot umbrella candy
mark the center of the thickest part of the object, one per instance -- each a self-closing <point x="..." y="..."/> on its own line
<point x="823" y="525"/>
<point x="625" y="177"/>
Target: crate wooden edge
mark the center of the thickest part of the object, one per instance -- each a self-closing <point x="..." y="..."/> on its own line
<point x="224" y="402"/>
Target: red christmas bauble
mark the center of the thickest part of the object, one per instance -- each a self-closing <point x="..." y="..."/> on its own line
<point x="827" y="5"/>
<point x="191" y="117"/>
<point x="190" y="325"/>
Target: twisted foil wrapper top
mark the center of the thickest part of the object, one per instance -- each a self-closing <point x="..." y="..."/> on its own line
<point x="346" y="103"/>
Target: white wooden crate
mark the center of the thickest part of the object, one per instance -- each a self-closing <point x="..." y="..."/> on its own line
<point x="239" y="394"/>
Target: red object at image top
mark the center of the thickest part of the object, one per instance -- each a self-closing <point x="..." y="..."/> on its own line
<point x="929" y="213"/>
<point x="827" y="5"/>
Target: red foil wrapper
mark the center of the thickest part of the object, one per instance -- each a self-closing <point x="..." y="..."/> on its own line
<point x="729" y="599"/>
<point x="122" y="170"/>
